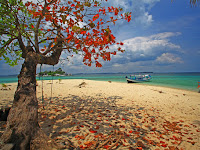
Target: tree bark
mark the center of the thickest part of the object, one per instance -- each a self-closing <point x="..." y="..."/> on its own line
<point x="22" y="128"/>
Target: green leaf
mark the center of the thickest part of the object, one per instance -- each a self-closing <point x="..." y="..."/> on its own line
<point x="75" y="50"/>
<point x="21" y="3"/>
<point x="75" y="28"/>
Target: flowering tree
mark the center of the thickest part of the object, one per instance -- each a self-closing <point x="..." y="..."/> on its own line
<point x="38" y="33"/>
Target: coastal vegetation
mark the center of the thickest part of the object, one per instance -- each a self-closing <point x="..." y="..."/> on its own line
<point x="194" y="2"/>
<point x="59" y="71"/>
<point x="38" y="33"/>
<point x="4" y="86"/>
<point x="59" y="80"/>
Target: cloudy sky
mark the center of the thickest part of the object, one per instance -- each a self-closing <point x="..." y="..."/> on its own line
<point x="161" y="37"/>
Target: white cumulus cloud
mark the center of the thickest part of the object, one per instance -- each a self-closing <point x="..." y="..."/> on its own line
<point x="168" y="58"/>
<point x="149" y="47"/>
<point x="140" y="9"/>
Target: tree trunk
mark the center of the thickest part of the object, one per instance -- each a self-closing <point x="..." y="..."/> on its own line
<point x="22" y="128"/>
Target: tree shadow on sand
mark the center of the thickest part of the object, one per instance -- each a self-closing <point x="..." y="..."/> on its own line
<point x="101" y="123"/>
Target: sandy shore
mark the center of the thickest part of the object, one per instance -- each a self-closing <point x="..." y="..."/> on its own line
<point x="121" y="115"/>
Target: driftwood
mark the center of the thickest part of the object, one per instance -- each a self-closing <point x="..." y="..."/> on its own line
<point x="82" y="85"/>
<point x="5" y="88"/>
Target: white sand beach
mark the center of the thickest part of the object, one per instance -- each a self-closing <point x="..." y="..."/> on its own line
<point x="126" y="115"/>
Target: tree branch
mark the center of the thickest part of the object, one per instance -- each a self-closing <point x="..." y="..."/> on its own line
<point x="19" y="37"/>
<point x="37" y="27"/>
<point x="8" y="43"/>
<point x="2" y="31"/>
<point x="27" y="36"/>
<point x="49" y="49"/>
<point x="2" y="50"/>
<point x="53" y="59"/>
<point x="57" y="50"/>
<point x="38" y="24"/>
<point x="22" y="46"/>
<point x="43" y="40"/>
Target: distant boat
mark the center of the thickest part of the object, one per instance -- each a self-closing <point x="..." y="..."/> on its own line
<point x="138" y="78"/>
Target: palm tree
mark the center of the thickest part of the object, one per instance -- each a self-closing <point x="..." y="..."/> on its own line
<point x="194" y="2"/>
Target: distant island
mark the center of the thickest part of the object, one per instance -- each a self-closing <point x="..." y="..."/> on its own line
<point x="58" y="72"/>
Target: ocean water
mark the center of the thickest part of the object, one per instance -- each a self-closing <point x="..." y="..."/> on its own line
<point x="188" y="81"/>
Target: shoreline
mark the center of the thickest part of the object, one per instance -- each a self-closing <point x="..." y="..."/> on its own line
<point x="123" y="83"/>
<point x="79" y="105"/>
<point x="165" y="86"/>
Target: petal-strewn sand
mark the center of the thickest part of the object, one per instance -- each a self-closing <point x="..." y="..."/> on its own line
<point x="100" y="114"/>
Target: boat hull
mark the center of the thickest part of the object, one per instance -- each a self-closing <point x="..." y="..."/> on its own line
<point x="138" y="78"/>
<point x="136" y="81"/>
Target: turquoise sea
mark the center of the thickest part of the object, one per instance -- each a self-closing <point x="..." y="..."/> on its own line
<point x="188" y="81"/>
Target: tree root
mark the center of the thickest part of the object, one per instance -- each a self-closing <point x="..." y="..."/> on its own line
<point x="41" y="141"/>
